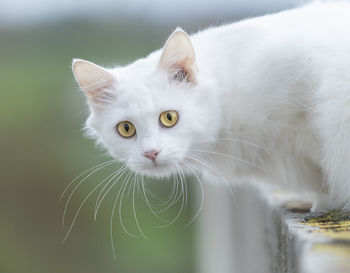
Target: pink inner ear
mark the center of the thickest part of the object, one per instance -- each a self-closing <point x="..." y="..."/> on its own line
<point x="100" y="93"/>
<point x="95" y="81"/>
<point x="185" y="70"/>
<point x="178" y="54"/>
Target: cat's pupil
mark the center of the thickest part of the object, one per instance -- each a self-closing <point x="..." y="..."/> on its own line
<point x="168" y="116"/>
<point x="126" y="127"/>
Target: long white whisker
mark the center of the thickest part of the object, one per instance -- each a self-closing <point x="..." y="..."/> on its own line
<point x="148" y="203"/>
<point x="207" y="164"/>
<point x="185" y="187"/>
<point x="231" y="156"/>
<point x="99" y="202"/>
<point x="202" y="191"/>
<point x="120" y="210"/>
<point x="182" y="203"/>
<point x="234" y="140"/>
<point x="110" y="177"/>
<point x="76" y="187"/>
<point x="176" y="197"/>
<point x="134" y="208"/>
<point x="112" y="214"/>
<point x="183" y="177"/>
<point x="170" y="196"/>
<point x="152" y="194"/>
<point x="212" y="167"/>
<point x="82" y="204"/>
<point x="80" y="175"/>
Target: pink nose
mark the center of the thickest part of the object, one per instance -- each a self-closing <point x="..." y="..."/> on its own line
<point x="151" y="154"/>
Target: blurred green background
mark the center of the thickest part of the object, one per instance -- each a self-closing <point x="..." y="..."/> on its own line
<point x="42" y="150"/>
<point x="42" y="147"/>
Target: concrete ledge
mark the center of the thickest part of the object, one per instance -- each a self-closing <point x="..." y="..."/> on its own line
<point x="319" y="243"/>
<point x="304" y="242"/>
<point x="272" y="232"/>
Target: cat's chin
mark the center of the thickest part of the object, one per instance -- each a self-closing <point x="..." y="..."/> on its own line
<point x="156" y="170"/>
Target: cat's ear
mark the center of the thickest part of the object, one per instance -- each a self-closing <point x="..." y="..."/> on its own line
<point x="178" y="57"/>
<point x="94" y="81"/>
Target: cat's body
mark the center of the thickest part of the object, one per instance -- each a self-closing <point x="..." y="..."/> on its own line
<point x="268" y="97"/>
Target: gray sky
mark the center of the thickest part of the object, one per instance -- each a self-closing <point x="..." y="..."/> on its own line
<point x="25" y="11"/>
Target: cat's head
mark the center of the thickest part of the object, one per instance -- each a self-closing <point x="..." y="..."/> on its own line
<point x="151" y="113"/>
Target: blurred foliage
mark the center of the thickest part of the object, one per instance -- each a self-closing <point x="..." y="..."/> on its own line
<point x="42" y="150"/>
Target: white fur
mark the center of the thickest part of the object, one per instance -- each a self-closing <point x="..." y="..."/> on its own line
<point x="279" y="84"/>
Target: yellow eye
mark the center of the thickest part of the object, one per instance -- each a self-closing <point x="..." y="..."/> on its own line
<point x="126" y="129"/>
<point x="168" y="118"/>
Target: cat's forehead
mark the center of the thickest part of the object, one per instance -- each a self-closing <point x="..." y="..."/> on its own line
<point x="139" y="70"/>
<point x="150" y="88"/>
<point x="138" y="90"/>
<point x="148" y="97"/>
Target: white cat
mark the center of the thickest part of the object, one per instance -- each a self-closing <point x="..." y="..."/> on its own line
<point x="268" y="97"/>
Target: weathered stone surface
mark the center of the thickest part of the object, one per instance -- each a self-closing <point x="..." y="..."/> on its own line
<point x="273" y="232"/>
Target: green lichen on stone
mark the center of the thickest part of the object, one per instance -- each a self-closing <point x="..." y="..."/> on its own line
<point x="329" y="217"/>
<point x="334" y="224"/>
